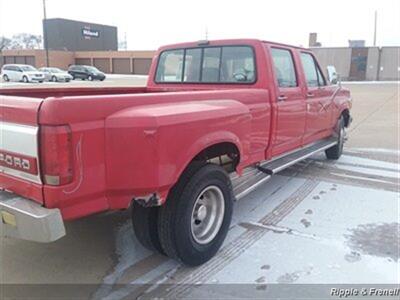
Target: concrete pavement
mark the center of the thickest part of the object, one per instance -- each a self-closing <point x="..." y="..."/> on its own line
<point x="317" y="222"/>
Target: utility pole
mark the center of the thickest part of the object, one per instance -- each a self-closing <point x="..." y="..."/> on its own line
<point x="46" y="47"/>
<point x="375" y="25"/>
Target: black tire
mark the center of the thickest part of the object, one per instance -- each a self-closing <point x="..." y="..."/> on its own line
<point x="41" y="81"/>
<point x="5" y="78"/>
<point x="145" y="226"/>
<point x="54" y="79"/>
<point x="175" y="216"/>
<point x="25" y="79"/>
<point x="336" y="151"/>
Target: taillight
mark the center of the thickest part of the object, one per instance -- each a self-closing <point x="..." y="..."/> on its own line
<point x="56" y="154"/>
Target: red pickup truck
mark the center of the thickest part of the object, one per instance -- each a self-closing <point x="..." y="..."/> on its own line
<point x="215" y="120"/>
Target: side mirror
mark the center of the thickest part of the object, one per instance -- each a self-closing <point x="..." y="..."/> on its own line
<point x="333" y="76"/>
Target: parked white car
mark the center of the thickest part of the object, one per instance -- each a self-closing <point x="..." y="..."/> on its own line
<point x="25" y="73"/>
<point x="55" y="75"/>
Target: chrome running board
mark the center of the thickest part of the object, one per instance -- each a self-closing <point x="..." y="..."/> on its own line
<point x="248" y="182"/>
<point x="256" y="175"/>
<point x="277" y="165"/>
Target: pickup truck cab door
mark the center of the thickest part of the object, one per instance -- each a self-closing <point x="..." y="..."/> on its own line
<point x="319" y="100"/>
<point x="289" y="101"/>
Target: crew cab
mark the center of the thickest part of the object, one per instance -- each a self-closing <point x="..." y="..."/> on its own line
<point x="215" y="119"/>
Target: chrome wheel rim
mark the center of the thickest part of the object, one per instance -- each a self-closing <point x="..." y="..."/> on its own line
<point x="208" y="214"/>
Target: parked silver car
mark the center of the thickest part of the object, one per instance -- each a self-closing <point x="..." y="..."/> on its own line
<point x="56" y="75"/>
<point x="25" y="73"/>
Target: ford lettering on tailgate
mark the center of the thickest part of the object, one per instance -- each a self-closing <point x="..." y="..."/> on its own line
<point x="19" y="155"/>
<point x="18" y="162"/>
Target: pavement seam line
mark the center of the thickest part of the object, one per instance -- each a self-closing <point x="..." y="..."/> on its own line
<point x="235" y="248"/>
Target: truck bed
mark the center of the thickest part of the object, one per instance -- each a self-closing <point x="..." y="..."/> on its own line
<point x="68" y="91"/>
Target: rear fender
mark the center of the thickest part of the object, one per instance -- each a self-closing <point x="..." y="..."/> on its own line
<point x="148" y="147"/>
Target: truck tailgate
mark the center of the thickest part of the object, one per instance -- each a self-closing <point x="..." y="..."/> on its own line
<point x="19" y="153"/>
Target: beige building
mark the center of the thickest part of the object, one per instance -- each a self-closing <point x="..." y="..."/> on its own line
<point x="362" y="63"/>
<point x="119" y="62"/>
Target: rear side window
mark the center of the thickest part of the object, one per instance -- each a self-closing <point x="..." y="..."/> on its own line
<point x="192" y="65"/>
<point x="284" y="67"/>
<point x="170" y="66"/>
<point x="226" y="64"/>
<point x="211" y="65"/>
<point x="238" y="65"/>
<point x="312" y="72"/>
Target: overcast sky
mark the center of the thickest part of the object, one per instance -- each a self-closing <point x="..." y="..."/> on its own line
<point x="150" y="23"/>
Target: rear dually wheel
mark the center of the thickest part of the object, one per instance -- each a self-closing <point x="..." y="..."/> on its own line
<point x="195" y="219"/>
<point x="145" y="226"/>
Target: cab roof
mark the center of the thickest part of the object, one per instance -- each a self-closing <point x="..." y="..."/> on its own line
<point x="223" y="42"/>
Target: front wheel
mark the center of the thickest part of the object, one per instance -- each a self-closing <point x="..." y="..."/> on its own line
<point x="336" y="151"/>
<point x="90" y="78"/>
<point x="25" y="79"/>
<point x="54" y="79"/>
<point x="194" y="221"/>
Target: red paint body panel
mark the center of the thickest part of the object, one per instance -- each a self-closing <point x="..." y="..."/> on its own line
<point x="22" y="187"/>
<point x="132" y="142"/>
<point x="19" y="110"/>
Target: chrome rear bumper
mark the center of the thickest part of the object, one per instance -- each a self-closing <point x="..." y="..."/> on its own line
<point x="24" y="219"/>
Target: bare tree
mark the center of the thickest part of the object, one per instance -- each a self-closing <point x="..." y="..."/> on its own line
<point x="26" y="41"/>
<point x="5" y="43"/>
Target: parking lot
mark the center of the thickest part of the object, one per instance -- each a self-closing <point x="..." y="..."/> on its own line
<point x="318" y="222"/>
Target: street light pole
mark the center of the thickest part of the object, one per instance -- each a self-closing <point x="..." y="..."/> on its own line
<point x="45" y="34"/>
<point x="375" y="25"/>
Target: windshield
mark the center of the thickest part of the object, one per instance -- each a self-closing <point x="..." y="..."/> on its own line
<point x="27" y="68"/>
<point x="92" y="69"/>
<point x="226" y="64"/>
<point x="56" y="70"/>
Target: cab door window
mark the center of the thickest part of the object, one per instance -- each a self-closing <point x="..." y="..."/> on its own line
<point x="312" y="72"/>
<point x="285" y="71"/>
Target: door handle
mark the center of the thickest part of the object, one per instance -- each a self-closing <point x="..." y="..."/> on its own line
<point x="310" y="95"/>
<point x="282" y="98"/>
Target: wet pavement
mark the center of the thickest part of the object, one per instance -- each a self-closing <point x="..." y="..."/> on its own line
<point x="318" y="222"/>
<point x="303" y="227"/>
